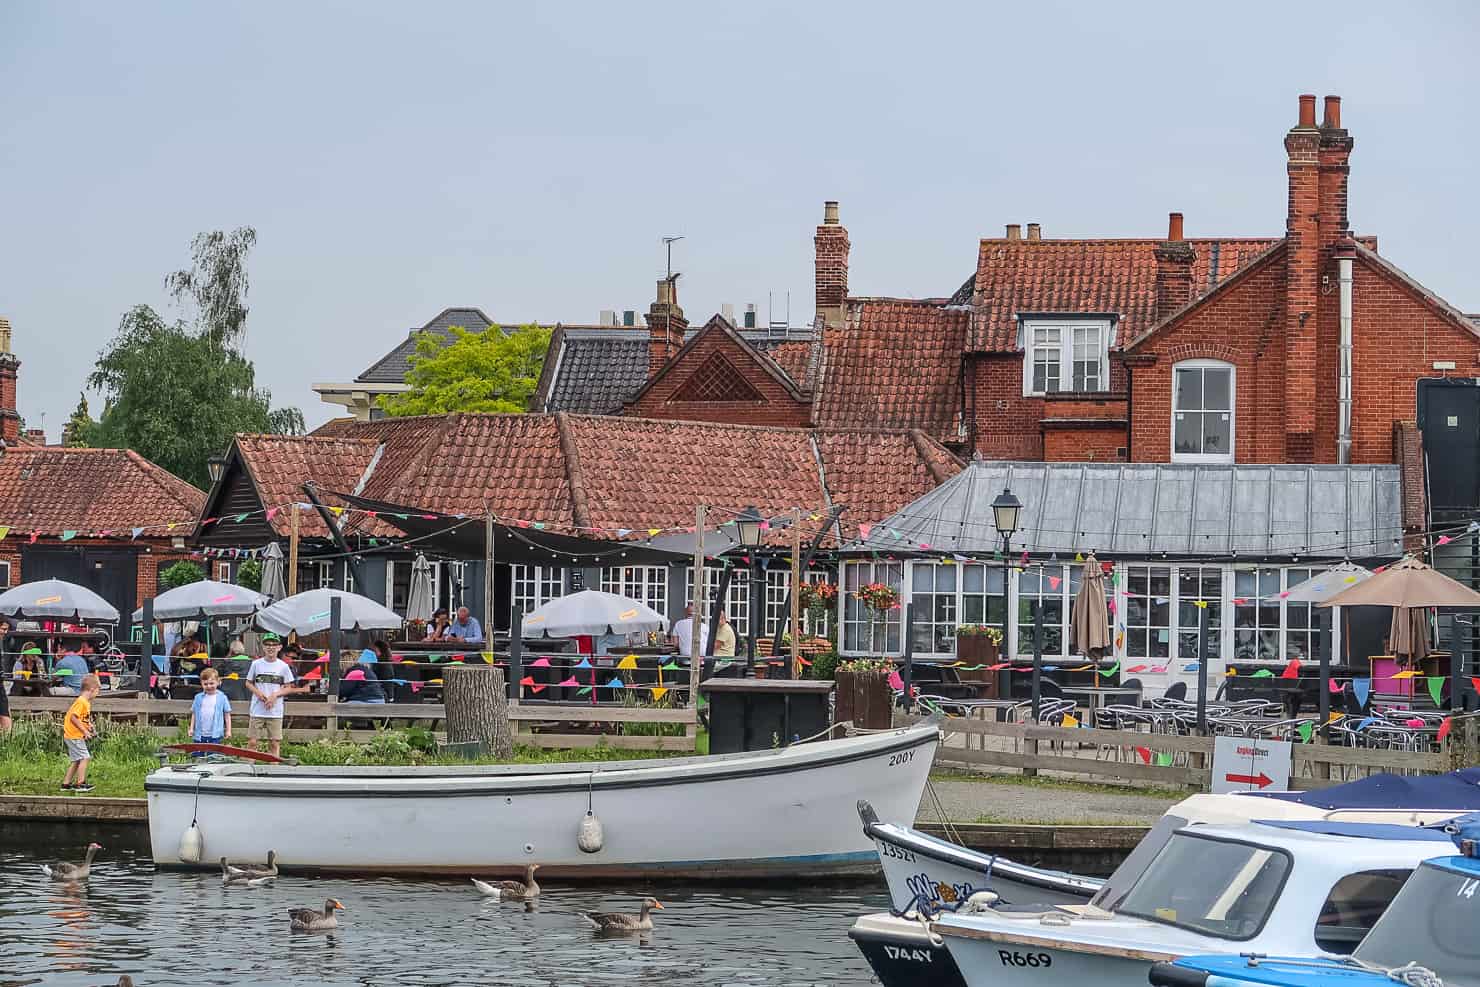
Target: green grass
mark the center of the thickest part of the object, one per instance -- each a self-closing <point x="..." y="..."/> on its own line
<point x="1059" y="784"/>
<point x="33" y="761"/>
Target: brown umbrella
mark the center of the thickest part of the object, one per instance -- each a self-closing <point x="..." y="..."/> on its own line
<point x="1091" y="618"/>
<point x="1408" y="636"/>
<point x="1409" y="583"/>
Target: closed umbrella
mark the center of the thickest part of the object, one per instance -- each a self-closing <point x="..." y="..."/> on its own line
<point x="308" y="613"/>
<point x="274" y="585"/>
<point x="592" y="612"/>
<point x="56" y="598"/>
<point x="206" y="598"/>
<point x="419" y="597"/>
<point x="1090" y="625"/>
<point x="1408" y="635"/>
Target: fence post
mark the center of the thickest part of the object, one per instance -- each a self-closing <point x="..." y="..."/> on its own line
<point x="1202" y="671"/>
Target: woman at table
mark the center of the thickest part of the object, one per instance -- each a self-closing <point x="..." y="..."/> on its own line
<point x="29" y="672"/>
<point x="357" y="680"/>
<point x="437" y="630"/>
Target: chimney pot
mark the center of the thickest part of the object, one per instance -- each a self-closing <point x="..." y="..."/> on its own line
<point x="1307" y="110"/>
<point x="1333" y="114"/>
<point x="1035" y="232"/>
<point x="830" y="213"/>
<point x="1014" y="231"/>
<point x="665" y="291"/>
<point x="1174" y="226"/>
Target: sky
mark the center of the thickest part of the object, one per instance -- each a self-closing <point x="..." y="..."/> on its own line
<point x="397" y="159"/>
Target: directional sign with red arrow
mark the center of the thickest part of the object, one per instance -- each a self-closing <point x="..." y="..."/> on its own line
<point x="1247" y="764"/>
<point x="1261" y="780"/>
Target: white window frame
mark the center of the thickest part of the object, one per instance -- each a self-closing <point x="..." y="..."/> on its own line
<point x="4" y="575"/>
<point x="737" y="602"/>
<point x="645" y="583"/>
<point x="1232" y="412"/>
<point x="1065" y="327"/>
<point x="853" y="574"/>
<point x="533" y="586"/>
<point x="222" y="573"/>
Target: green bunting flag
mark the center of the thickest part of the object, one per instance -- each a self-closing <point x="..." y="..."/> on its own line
<point x="1112" y="670"/>
<point x="68" y="535"/>
<point x="1436" y="688"/>
<point x="1263" y="673"/>
<point x="1306" y="730"/>
<point x="1164" y="760"/>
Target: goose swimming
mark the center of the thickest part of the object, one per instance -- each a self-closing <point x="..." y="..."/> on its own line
<point x="309" y="920"/>
<point x="73" y="872"/>
<point x="526" y="890"/>
<point x="625" y="921"/>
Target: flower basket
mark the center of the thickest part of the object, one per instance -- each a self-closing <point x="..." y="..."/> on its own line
<point x="878" y="597"/>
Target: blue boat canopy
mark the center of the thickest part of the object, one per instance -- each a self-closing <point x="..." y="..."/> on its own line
<point x="1365" y="831"/>
<point x="1458" y="790"/>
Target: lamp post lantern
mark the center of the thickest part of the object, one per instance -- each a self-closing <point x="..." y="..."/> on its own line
<point x="215" y="466"/>
<point x="748" y="526"/>
<point x="1006" y="512"/>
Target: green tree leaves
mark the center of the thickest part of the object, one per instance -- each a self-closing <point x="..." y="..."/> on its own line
<point x="474" y="371"/>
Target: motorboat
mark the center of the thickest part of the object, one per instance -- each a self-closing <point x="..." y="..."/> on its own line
<point x="1426" y="936"/>
<point x="1296" y="888"/>
<point x="788" y="812"/>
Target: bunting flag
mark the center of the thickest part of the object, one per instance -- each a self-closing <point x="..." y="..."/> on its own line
<point x="1080" y="668"/>
<point x="1163" y="760"/>
<point x="616" y="683"/>
<point x="585" y="663"/>
<point x="1436" y="688"/>
<point x="1306" y="731"/>
<point x="1144" y="753"/>
<point x="540" y="663"/>
<point x="1078" y="557"/>
<point x="1362" y="688"/>
<point x="864" y="530"/>
<point x="659" y="692"/>
<point x="1263" y="673"/>
<point x="568" y="682"/>
<point x="584" y="690"/>
<point x="68" y="535"/>
<point x="672" y="666"/>
<point x="1134" y="669"/>
<point x="627" y="664"/>
<point x="1200" y="604"/>
<point x="1405" y="674"/>
<point x="1475" y="683"/>
<point x="4" y="530"/>
<point x="1070" y="720"/>
<point x="527" y="681"/>
<point x="1053" y="581"/>
<point x="1158" y="668"/>
<point x="1444" y="728"/>
<point x="1292" y="670"/>
<point x="1192" y="666"/>
<point x="895" y="682"/>
<point x="1112" y="671"/>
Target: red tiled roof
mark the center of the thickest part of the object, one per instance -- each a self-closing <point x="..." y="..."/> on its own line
<point x="897" y="365"/>
<point x="877" y="473"/>
<point x="797" y="359"/>
<point x="1014" y="277"/>
<point x="280" y="464"/>
<point x="53" y="489"/>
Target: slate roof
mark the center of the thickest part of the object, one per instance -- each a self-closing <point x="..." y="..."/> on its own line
<point x="598" y="471"/>
<point x="52" y="489"/>
<point x="897" y="365"/>
<point x="391" y="368"/>
<point x="1317" y="512"/>
<point x="1016" y="277"/>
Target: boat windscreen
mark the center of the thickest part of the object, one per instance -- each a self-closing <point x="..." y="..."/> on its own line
<point x="1432" y="922"/>
<point x="1218" y="887"/>
<point x="1118" y="884"/>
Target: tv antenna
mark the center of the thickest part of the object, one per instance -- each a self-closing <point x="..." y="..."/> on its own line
<point x="668" y="242"/>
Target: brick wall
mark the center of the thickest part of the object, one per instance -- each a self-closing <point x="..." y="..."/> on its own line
<point x="831" y="270"/>
<point x="1005" y="422"/>
<point x="10" y="420"/>
<point x="671" y="394"/>
<point x="1079" y="428"/>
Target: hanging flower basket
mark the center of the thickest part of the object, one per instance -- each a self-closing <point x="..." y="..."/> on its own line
<point x="878" y="597"/>
<point x="817" y="596"/>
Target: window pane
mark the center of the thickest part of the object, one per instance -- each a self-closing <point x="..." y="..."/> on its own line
<point x="974" y="578"/>
<point x="1217" y="433"/>
<point x="945" y="579"/>
<point x="1187" y="432"/>
<point x="1216" y="389"/>
<point x="1189" y="396"/>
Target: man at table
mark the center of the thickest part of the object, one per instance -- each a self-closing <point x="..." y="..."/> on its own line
<point x="71" y="668"/>
<point x="683" y="631"/>
<point x="465" y="627"/>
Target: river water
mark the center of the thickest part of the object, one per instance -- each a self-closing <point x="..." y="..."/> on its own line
<point x="174" y="928"/>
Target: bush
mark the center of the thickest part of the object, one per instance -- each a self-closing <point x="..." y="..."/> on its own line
<point x="824" y="664"/>
<point x="249" y="574"/>
<point x="181" y="574"/>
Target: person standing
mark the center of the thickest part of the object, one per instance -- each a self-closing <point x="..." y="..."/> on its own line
<point x="77" y="730"/>
<point x="269" y="680"/>
<point x="210" y="713"/>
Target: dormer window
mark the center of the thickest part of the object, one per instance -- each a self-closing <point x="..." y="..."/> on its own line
<point x="1065" y="355"/>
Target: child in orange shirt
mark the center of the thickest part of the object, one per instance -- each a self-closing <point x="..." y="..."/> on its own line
<point x="77" y="729"/>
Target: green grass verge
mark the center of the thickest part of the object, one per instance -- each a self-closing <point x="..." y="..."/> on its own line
<point x="1061" y="785"/>
<point x="33" y="761"/>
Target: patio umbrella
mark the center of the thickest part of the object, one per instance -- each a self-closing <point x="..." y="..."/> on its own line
<point x="1408" y="636"/>
<point x="56" y="598"/>
<point x="1409" y="583"/>
<point x="1091" y="617"/>
<point x="206" y="598"/>
<point x="274" y="586"/>
<point x="592" y="612"/>
<point x="1322" y="586"/>
<point x="419" y="597"/>
<point x="308" y="613"/>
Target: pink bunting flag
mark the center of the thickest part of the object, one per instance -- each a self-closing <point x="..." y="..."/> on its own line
<point x="1025" y="558"/>
<point x="569" y="682"/>
<point x="1158" y="668"/>
<point x="540" y="663"/>
<point x="1239" y="601"/>
<point x="527" y="680"/>
<point x="863" y="530"/>
<point x="1335" y="686"/>
<point x="1134" y="669"/>
<point x="272" y="512"/>
<point x="152" y="680"/>
<point x="1415" y="723"/>
<point x="1284" y="594"/>
<point x="1110" y="604"/>
<point x="1053" y="581"/>
<point x="1444" y="540"/>
<point x="415" y="687"/>
<point x="895" y="682"/>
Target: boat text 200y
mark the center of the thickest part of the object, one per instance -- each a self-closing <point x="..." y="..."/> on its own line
<point x="772" y="813"/>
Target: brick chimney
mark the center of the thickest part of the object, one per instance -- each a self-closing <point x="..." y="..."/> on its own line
<point x="666" y="325"/>
<point x="10" y="419"/>
<point x="1334" y="154"/>
<point x="1035" y="232"/>
<point x="831" y="243"/>
<point x="1174" y="257"/>
<point x="1302" y="276"/>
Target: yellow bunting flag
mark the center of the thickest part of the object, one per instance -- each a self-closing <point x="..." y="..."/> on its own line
<point x="336" y="511"/>
<point x="1200" y="604"/>
<point x="4" y="530"/>
<point x="1078" y="557"/>
<point x="1070" y="720"/>
<point x="659" y="692"/>
<point x="488" y="657"/>
<point x="1333" y="717"/>
<point x="652" y="532"/>
<point x="627" y="664"/>
<point x="1406" y="675"/>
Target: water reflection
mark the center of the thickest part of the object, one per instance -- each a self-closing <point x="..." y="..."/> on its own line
<point x="186" y="928"/>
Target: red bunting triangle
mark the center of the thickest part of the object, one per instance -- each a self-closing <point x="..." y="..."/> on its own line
<point x="1145" y="754"/>
<point x="1445" y="727"/>
<point x="1292" y="670"/>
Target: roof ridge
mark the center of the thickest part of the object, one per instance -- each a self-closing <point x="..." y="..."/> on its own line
<point x="1126" y="239"/>
<point x="157" y="474"/>
<point x="1238" y="275"/>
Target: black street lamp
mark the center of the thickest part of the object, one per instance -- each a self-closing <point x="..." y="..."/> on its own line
<point x="748" y="525"/>
<point x="215" y="466"/>
<point x="1006" y="511"/>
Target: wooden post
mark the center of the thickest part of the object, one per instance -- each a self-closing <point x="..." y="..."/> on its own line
<point x="146" y="648"/>
<point x="331" y="670"/>
<point x="696" y="659"/>
<point x="293" y="551"/>
<point x="795" y="594"/>
<point x="477" y="710"/>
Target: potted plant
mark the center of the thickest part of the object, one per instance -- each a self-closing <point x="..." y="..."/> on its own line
<point x="978" y="644"/>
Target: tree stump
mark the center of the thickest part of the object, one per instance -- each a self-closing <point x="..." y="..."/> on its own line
<point x="864" y="698"/>
<point x="1463" y="743"/>
<point x="477" y="709"/>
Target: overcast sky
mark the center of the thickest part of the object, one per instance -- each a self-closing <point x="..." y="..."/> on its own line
<point x="399" y="158"/>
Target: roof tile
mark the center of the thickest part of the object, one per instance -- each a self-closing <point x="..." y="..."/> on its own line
<point x="53" y="489"/>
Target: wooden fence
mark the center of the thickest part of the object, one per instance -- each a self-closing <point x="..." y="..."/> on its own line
<point x="307" y="721"/>
<point x="1115" y="754"/>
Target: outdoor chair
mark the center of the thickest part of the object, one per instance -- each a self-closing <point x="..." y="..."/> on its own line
<point x="1176" y="692"/>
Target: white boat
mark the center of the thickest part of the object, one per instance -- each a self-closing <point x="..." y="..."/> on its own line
<point x="788" y="812"/>
<point x="1283" y="889"/>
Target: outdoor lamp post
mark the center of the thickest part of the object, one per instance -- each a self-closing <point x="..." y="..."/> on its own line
<point x="748" y="526"/>
<point x="1006" y="510"/>
<point x="215" y="466"/>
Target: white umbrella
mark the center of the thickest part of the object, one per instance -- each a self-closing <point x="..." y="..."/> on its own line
<point x="592" y="612"/>
<point x="308" y="613"/>
<point x="273" y="584"/>
<point x="206" y="598"/>
<point x="1322" y="586"/>
<point x="56" y="598"/>
<point x="419" y="596"/>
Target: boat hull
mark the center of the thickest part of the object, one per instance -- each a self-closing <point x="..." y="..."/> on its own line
<point x="902" y="955"/>
<point x="987" y="963"/>
<point x="765" y="814"/>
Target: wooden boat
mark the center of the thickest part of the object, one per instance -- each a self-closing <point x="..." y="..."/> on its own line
<point x="1431" y="924"/>
<point x="777" y="813"/>
<point x="1262" y="888"/>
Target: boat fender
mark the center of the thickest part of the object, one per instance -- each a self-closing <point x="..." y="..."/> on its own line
<point x="191" y="845"/>
<point x="589" y="836"/>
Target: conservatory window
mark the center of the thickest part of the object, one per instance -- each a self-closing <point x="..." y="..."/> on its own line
<point x="646" y="584"/>
<point x="864" y="631"/>
<point x="536" y="585"/>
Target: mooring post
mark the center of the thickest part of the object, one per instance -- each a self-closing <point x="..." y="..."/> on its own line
<point x="1203" y="657"/>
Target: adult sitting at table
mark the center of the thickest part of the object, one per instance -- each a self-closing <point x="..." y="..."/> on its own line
<point x="71" y="668"/>
<point x="437" y="629"/>
<point x="682" y="634"/>
<point x="357" y="680"/>
<point x="464" y="628"/>
<point x="29" y="672"/>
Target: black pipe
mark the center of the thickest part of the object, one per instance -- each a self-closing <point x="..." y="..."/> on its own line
<point x="336" y="620"/>
<point x="146" y="640"/>
<point x="1203" y="656"/>
<point x="350" y="559"/>
<point x="908" y="669"/>
<point x="516" y="654"/>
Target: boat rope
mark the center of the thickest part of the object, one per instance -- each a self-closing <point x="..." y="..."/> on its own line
<point x="1412" y="975"/>
<point x="195" y="809"/>
<point x="939" y="808"/>
<point x="1409" y="974"/>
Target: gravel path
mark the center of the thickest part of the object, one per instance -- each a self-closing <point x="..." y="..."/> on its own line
<point x="970" y="801"/>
